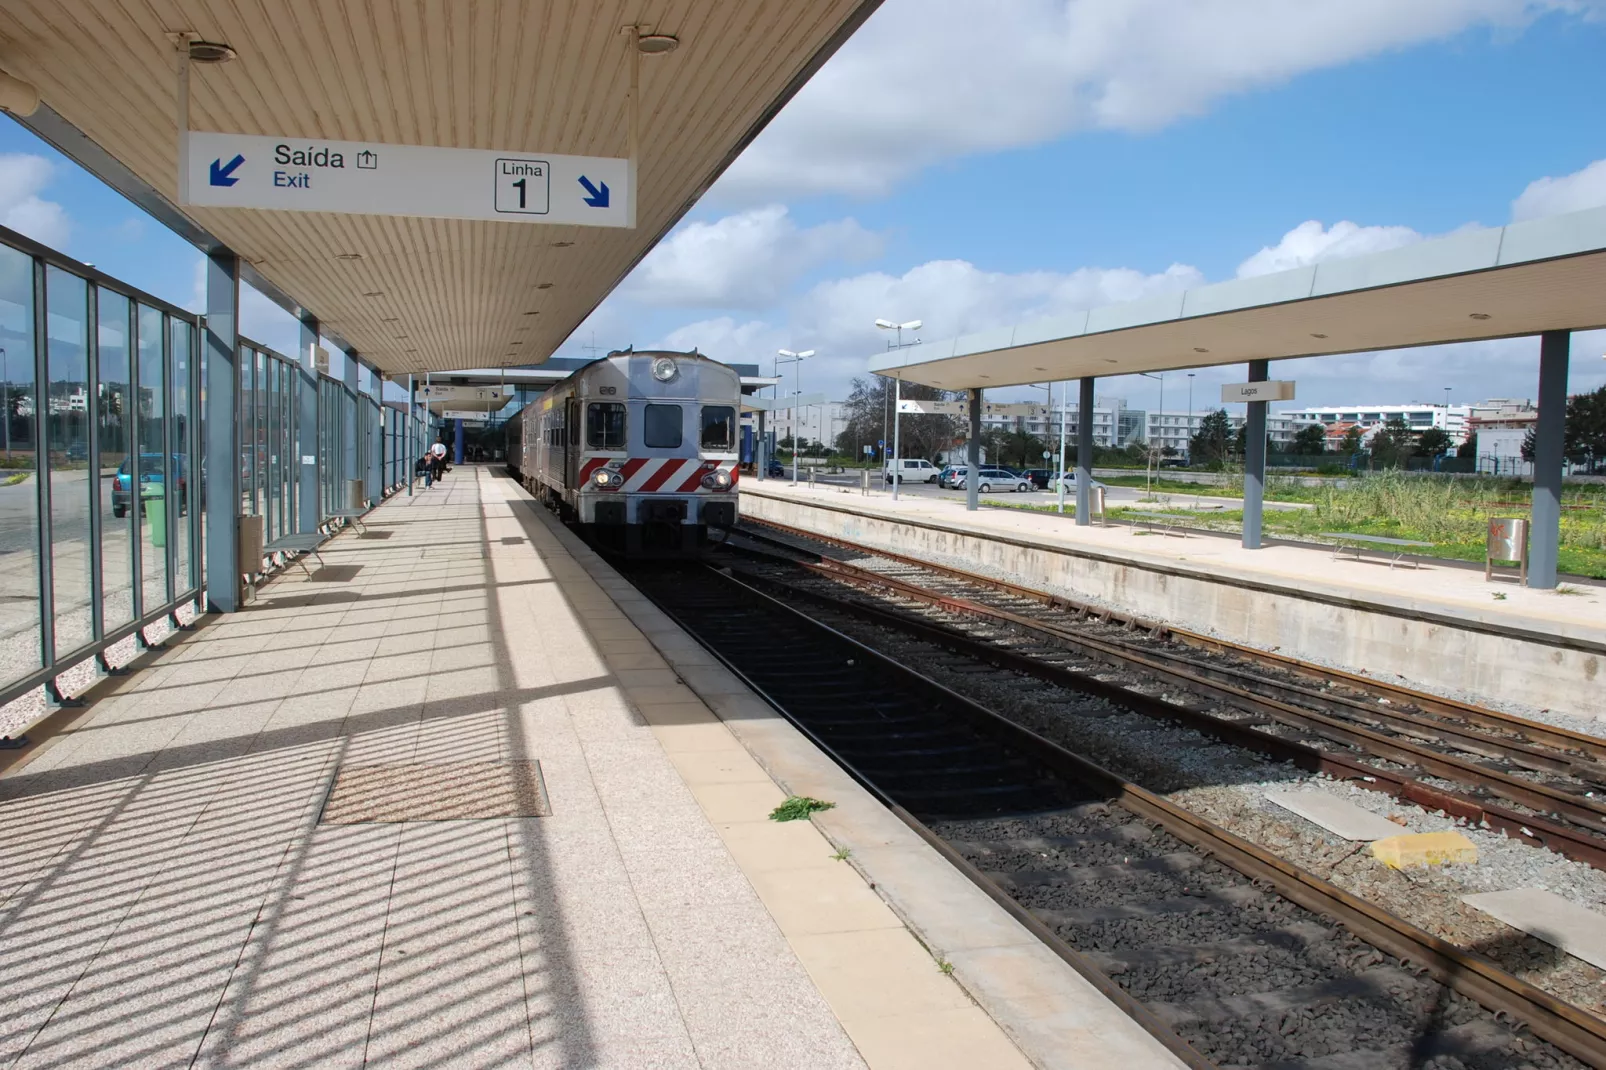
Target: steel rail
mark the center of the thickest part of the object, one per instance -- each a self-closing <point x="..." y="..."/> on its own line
<point x="1554" y="1020"/>
<point x="1533" y="731"/>
<point x="1527" y="828"/>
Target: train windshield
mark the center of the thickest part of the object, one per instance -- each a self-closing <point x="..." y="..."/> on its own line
<point x="661" y="427"/>
<point x="605" y="425"/>
<point x="719" y="427"/>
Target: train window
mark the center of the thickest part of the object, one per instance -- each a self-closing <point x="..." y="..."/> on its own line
<point x="661" y="427"/>
<point x="719" y="427"/>
<point x="605" y="425"/>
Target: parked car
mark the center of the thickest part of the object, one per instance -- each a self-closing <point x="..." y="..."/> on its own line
<point x="150" y="471"/>
<point x="1040" y="478"/>
<point x="775" y="469"/>
<point x="991" y="479"/>
<point x="914" y="470"/>
<point x="1069" y="478"/>
<point x="952" y="477"/>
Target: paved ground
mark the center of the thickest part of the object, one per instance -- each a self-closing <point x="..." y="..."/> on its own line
<point x="170" y="892"/>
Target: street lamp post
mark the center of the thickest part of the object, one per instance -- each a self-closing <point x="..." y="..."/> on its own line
<point x="1149" y="490"/>
<point x="797" y="394"/>
<point x="897" y="455"/>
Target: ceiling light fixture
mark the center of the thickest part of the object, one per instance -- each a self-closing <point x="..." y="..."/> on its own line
<point x="211" y="52"/>
<point x="348" y="256"/>
<point x="1479" y="316"/>
<point x="544" y="286"/>
<point x="562" y="244"/>
<point x="657" y="44"/>
<point x="1315" y="334"/>
<point x="375" y="293"/>
<point x="1200" y="349"/>
<point x="532" y="312"/>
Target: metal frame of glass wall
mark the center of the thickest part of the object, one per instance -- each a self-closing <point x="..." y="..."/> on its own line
<point x="100" y="512"/>
<point x="269" y="483"/>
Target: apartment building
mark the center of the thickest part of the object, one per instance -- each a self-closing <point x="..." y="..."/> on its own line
<point x="1452" y="419"/>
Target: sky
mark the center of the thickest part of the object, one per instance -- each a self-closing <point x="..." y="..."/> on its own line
<point x="977" y="164"/>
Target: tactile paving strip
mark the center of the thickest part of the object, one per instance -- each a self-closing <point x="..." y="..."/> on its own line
<point x="447" y="791"/>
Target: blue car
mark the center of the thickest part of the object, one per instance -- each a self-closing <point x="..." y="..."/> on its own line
<point x="775" y="470"/>
<point x="150" y="467"/>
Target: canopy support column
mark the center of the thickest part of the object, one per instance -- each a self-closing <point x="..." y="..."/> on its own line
<point x="1084" y="452"/>
<point x="1544" y="541"/>
<point x="308" y="514"/>
<point x="973" y="452"/>
<point x="1255" y="459"/>
<point x="222" y="432"/>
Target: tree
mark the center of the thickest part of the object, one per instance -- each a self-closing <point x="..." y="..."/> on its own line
<point x="1020" y="448"/>
<point x="1432" y="442"/>
<point x="1469" y="448"/>
<point x="1586" y="428"/>
<point x="1210" y="443"/>
<point x="1310" y="439"/>
<point x="869" y="418"/>
<point x="1392" y="443"/>
<point x="1353" y="437"/>
<point x="1528" y="446"/>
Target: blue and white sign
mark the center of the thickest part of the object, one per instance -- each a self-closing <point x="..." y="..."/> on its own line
<point x="367" y="178"/>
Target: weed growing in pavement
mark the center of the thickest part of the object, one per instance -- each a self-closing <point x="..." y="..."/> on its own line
<point x="1567" y="588"/>
<point x="798" y="808"/>
<point x="841" y="855"/>
<point x="1499" y="596"/>
<point x="945" y="966"/>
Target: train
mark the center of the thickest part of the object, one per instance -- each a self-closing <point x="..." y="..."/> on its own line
<point x="640" y="449"/>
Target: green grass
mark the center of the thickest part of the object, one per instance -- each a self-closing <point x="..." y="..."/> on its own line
<point x="798" y="808"/>
<point x="14" y="479"/>
<point x="1451" y="514"/>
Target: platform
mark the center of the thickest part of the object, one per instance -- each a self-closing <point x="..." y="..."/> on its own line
<point x="304" y="837"/>
<point x="1441" y="627"/>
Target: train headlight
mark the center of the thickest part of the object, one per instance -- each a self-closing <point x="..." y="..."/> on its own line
<point x="607" y="479"/>
<point x="663" y="369"/>
<point x="719" y="479"/>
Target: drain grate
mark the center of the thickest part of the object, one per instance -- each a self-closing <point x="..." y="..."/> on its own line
<point x="446" y="791"/>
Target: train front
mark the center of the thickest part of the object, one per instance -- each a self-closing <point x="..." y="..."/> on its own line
<point x="670" y="422"/>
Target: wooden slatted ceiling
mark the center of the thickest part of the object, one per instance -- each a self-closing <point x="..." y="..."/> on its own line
<point x="515" y="75"/>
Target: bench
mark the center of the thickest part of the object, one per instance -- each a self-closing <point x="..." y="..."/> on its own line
<point x="1169" y="521"/>
<point x="1382" y="543"/>
<point x="299" y="544"/>
<point x="351" y="516"/>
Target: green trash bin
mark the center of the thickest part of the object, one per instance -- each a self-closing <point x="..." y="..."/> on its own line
<point x="155" y="502"/>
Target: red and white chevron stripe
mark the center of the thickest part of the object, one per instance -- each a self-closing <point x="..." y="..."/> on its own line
<point x="660" y="475"/>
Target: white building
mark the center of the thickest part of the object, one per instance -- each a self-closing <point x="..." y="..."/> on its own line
<point x="813" y="423"/>
<point x="1502" y="425"/>
<point x="1114" y="424"/>
<point x="1451" y="419"/>
<point x="1174" y="429"/>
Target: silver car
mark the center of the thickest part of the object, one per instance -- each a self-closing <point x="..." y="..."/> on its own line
<point x="991" y="479"/>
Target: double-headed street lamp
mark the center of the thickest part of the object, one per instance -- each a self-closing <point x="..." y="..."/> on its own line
<point x="897" y="463"/>
<point x="789" y="357"/>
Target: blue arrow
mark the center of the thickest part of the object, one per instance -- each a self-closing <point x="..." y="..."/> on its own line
<point x="599" y="197"/>
<point x="223" y="174"/>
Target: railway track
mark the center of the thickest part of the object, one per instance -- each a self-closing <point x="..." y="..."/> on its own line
<point x="1538" y="783"/>
<point x="1230" y="956"/>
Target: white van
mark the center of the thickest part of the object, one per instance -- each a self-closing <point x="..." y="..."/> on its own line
<point x="914" y="470"/>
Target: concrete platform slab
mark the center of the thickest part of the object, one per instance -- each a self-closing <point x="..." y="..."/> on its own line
<point x="179" y="901"/>
<point x="1494" y="640"/>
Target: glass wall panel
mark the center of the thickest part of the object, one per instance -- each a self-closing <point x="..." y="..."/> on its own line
<point x="114" y="472"/>
<point x="275" y="413"/>
<point x="246" y="435"/>
<point x="259" y="436"/>
<point x="19" y="502"/>
<point x="181" y="357"/>
<point x="67" y="445"/>
<point x="150" y="489"/>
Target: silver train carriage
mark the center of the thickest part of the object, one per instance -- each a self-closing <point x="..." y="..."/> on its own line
<point x="641" y="448"/>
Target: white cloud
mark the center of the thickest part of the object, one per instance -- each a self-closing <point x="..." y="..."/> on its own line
<point x="1585" y="188"/>
<point x="746" y="260"/>
<point x="931" y="80"/>
<point x="22" y="177"/>
<point x="1310" y="242"/>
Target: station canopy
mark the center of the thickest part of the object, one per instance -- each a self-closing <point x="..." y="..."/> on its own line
<point x="537" y="76"/>
<point x="1521" y="279"/>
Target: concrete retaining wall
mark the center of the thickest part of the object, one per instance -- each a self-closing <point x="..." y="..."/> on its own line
<point x="1434" y="652"/>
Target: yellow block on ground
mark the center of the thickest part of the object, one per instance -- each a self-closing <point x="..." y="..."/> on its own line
<point x="1425" y="849"/>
